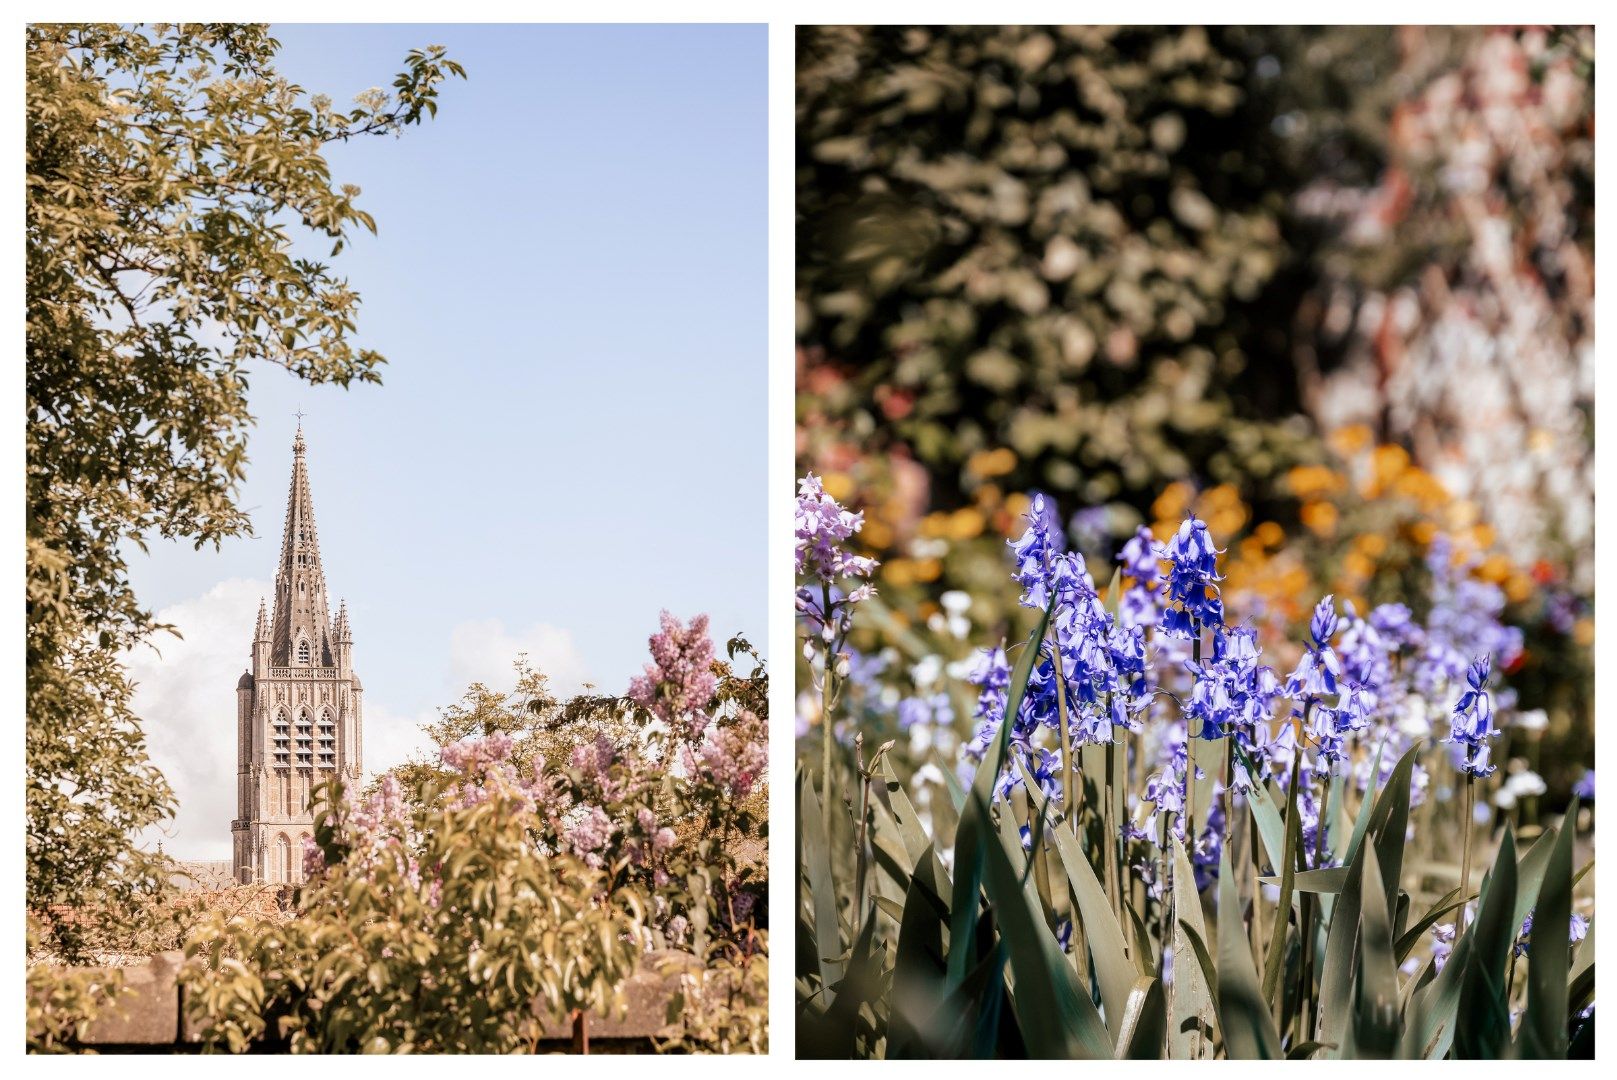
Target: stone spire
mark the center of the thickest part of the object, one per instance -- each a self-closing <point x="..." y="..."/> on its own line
<point x="300" y="634"/>
<point x="261" y="629"/>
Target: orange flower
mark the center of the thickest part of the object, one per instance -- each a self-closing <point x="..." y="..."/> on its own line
<point x="989" y="463"/>
<point x="1312" y="481"/>
<point x="1319" y="517"/>
<point x="1172" y="504"/>
<point x="1350" y="439"/>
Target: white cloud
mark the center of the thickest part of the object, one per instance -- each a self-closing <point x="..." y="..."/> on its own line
<point x="392" y="738"/>
<point x="483" y="651"/>
<point x="185" y="696"/>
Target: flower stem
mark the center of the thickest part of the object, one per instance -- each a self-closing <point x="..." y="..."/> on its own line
<point x="825" y="708"/>
<point x="1465" y="848"/>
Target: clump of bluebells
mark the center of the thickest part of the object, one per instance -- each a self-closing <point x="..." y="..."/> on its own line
<point x="1163" y="662"/>
<point x="1216" y="730"/>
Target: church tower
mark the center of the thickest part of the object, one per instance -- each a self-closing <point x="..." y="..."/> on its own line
<point x="298" y="706"/>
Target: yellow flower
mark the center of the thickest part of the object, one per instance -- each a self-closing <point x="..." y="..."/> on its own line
<point x="1319" y="517"/>
<point x="877" y="534"/>
<point x="1519" y="587"/>
<point x="1387" y="463"/>
<point x="1350" y="439"/>
<point x="989" y="463"/>
<point x="965" y="524"/>
<point x="899" y="572"/>
<point x="1495" y="568"/>
<point x="838" y="485"/>
<point x="1371" y="545"/>
<point x="1171" y="504"/>
<point x="1312" y="481"/>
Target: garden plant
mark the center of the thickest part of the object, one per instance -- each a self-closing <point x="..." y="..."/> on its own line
<point x="1170" y="833"/>
<point x="513" y="883"/>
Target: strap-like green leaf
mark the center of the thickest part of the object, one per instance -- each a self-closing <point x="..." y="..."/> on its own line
<point x="1055" y="1013"/>
<point x="1375" y="1008"/>
<point x="1142" y="1034"/>
<point x="816" y="861"/>
<point x="1341" y="962"/>
<point x="1243" y="1016"/>
<point x="1114" y="972"/>
<point x="974" y="836"/>
<point x="1544" y="1024"/>
<point x="1192" y="998"/>
<point x="1484" y="1026"/>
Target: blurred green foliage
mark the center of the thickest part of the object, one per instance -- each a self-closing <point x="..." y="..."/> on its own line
<point x="1057" y="240"/>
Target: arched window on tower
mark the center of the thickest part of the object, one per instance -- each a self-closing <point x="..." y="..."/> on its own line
<point x="303" y="651"/>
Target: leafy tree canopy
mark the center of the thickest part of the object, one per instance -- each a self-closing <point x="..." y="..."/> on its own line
<point x="170" y="171"/>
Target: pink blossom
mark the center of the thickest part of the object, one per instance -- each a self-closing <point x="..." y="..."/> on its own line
<point x="679" y="682"/>
<point x="589" y="834"/>
<point x="731" y="757"/>
<point x="314" y="860"/>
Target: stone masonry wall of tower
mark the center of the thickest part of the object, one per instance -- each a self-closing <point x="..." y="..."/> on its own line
<point x="299" y="705"/>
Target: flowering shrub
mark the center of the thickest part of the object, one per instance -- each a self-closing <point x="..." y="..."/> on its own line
<point x="523" y="876"/>
<point x="1148" y="762"/>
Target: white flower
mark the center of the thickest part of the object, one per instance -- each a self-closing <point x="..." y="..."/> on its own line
<point x="1525" y="784"/>
<point x="1532" y="720"/>
<point x="955" y="602"/>
<point x="926" y="672"/>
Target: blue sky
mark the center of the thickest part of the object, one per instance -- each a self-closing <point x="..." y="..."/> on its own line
<point x="569" y="284"/>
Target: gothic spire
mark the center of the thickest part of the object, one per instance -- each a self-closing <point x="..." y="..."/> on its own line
<point x="261" y="630"/>
<point x="301" y="626"/>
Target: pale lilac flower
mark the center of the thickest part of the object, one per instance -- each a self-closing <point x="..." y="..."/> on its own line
<point x="678" y="685"/>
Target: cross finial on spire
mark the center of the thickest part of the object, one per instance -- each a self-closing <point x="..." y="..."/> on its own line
<point x="297" y="440"/>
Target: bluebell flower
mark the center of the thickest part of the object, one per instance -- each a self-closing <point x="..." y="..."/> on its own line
<point x="929" y="710"/>
<point x="1577" y="930"/>
<point x="1036" y="551"/>
<point x="1585" y="787"/>
<point x="1319" y="670"/>
<point x="1442" y="944"/>
<point x="1192" y="581"/>
<point x="1472" y="724"/>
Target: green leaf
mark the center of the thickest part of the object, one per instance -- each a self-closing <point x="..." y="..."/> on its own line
<point x="1055" y="1013"/>
<point x="1482" y="1006"/>
<point x="1327" y="880"/>
<point x="1249" y="1028"/>
<point x="897" y="800"/>
<point x="1196" y="949"/>
<point x="973" y="837"/>
<point x="1192" y="995"/>
<point x="1544" y="1024"/>
<point x="1145" y="1021"/>
<point x="1274" y="963"/>
<point x="821" y="887"/>
<point x="919" y="967"/>
<point x="1336" y="977"/>
<point x="1375" y="1010"/>
<point x="1113" y="970"/>
<point x="1389" y="824"/>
